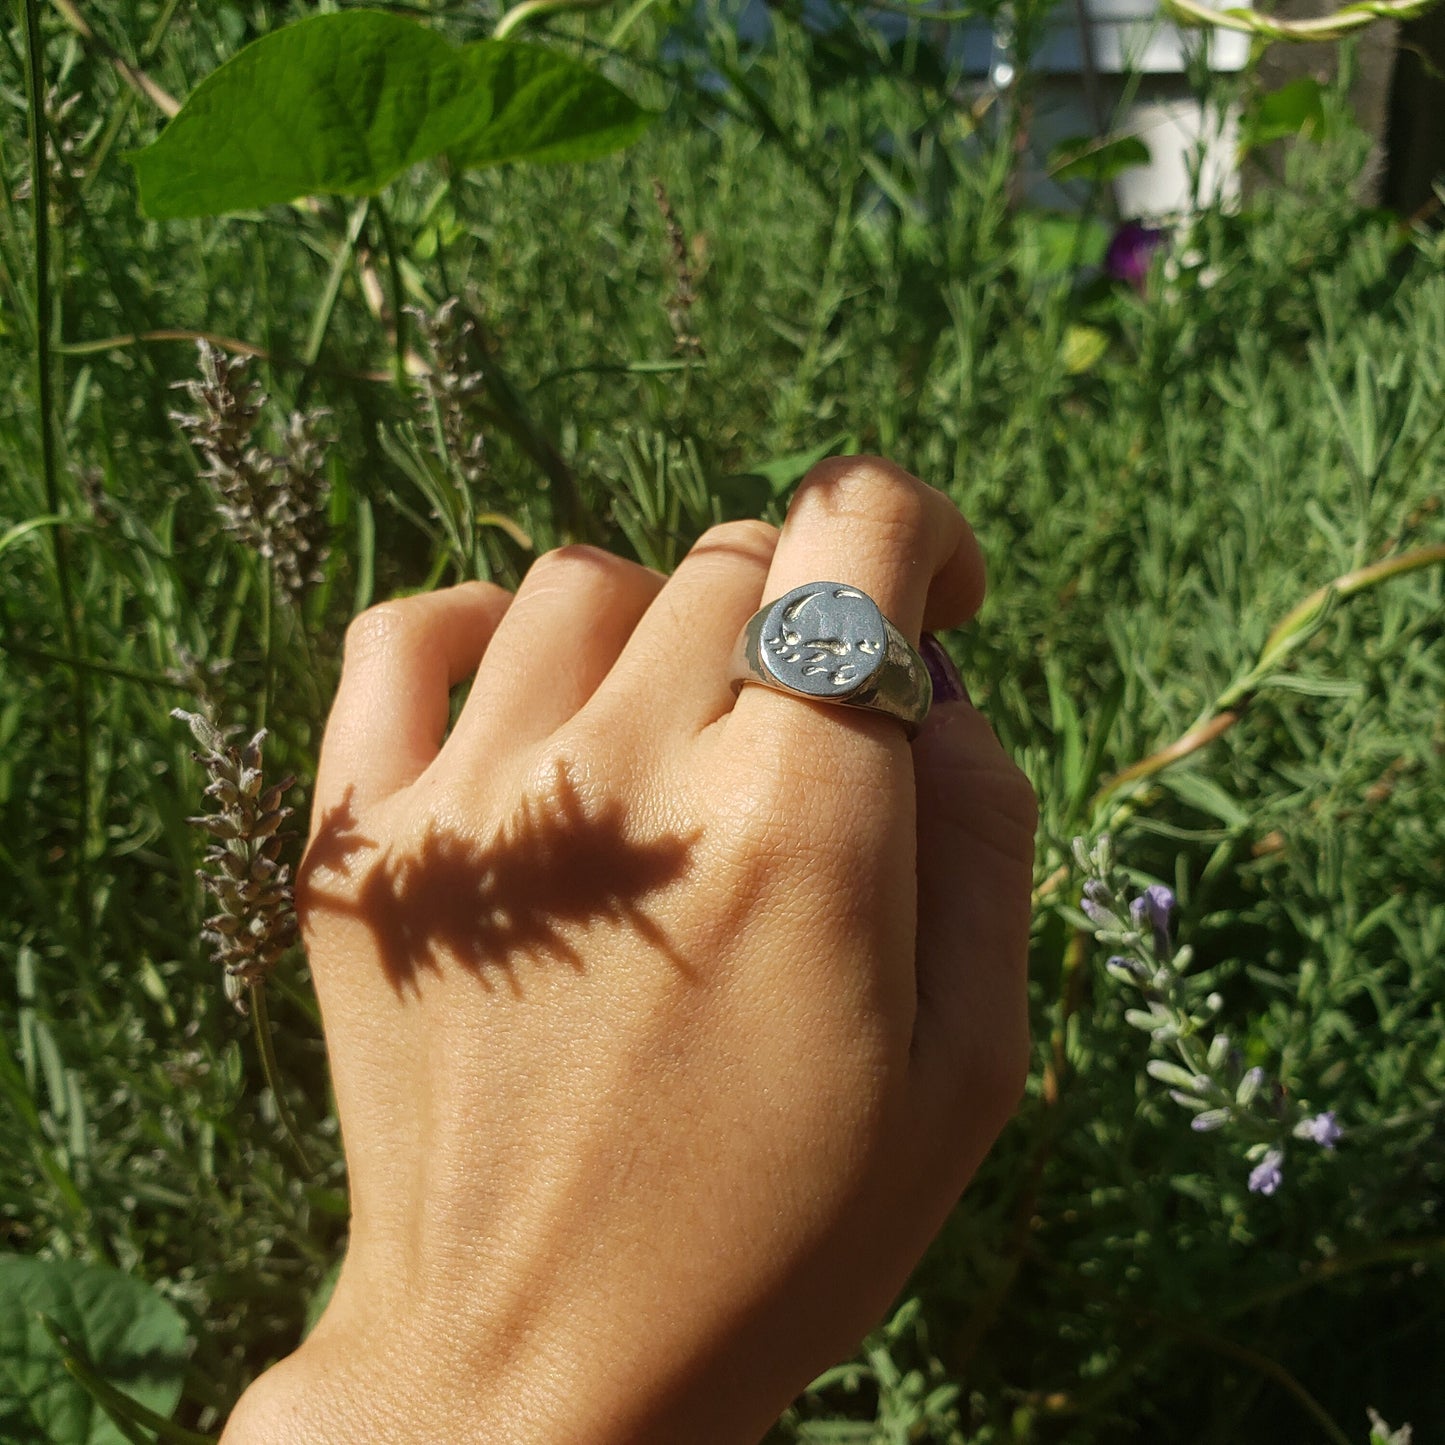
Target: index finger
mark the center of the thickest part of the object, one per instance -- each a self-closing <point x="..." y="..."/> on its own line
<point x="402" y="659"/>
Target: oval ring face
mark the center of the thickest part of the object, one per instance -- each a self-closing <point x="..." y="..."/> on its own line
<point x="824" y="639"/>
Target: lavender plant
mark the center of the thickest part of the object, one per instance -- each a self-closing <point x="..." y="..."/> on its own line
<point x="455" y="389"/>
<point x="1206" y="1073"/>
<point x="273" y="504"/>
<point x="255" y="920"/>
<point x="683" y="297"/>
<point x="1149" y="505"/>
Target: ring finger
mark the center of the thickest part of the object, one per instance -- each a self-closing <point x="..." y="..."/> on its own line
<point x="868" y="524"/>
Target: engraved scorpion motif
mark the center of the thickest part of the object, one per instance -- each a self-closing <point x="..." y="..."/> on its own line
<point x="834" y="658"/>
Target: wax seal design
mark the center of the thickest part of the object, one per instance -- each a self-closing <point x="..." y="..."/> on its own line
<point x="824" y="639"/>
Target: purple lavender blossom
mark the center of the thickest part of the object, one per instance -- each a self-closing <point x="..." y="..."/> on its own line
<point x="1323" y="1129"/>
<point x="1152" y="909"/>
<point x="1131" y="252"/>
<point x="1268" y="1174"/>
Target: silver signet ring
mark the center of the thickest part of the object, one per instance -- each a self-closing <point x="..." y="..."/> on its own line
<point x="831" y="643"/>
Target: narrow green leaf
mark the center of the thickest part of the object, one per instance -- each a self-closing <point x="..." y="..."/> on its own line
<point x="1203" y="793"/>
<point x="1096" y="158"/>
<point x="1168" y="1073"/>
<point x="344" y="103"/>
<point x="127" y="1415"/>
<point x="30" y="526"/>
<point x="782" y="472"/>
<point x="1083" y="348"/>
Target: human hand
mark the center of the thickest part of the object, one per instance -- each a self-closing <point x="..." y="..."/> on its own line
<point x="665" y="1027"/>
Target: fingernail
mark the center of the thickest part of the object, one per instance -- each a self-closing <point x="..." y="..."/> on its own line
<point x="947" y="684"/>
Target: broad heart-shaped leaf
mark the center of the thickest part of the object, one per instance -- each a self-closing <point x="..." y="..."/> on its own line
<point x="544" y="107"/>
<point x="343" y="103"/>
<point x="134" y="1338"/>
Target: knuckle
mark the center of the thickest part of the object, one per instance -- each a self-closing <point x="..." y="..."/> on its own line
<point x="749" y="537"/>
<point x="577" y="566"/>
<point x="866" y="488"/>
<point x="989" y="1074"/>
<point x="572" y="554"/>
<point x="378" y="628"/>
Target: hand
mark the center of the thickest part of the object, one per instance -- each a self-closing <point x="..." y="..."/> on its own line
<point x="666" y="1027"/>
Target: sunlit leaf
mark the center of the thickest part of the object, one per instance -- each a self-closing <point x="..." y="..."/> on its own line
<point x="344" y="103"/>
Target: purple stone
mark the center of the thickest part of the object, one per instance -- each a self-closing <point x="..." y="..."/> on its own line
<point x="947" y="684"/>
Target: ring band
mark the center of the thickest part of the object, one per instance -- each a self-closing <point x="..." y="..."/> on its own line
<point x="829" y="642"/>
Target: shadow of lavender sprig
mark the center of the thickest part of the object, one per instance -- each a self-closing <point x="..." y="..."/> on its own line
<point x="1206" y="1072"/>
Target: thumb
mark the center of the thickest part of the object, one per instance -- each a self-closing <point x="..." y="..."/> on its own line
<point x="977" y="816"/>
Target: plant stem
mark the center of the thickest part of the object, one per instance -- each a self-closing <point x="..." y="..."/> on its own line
<point x="134" y="77"/>
<point x="84" y="664"/>
<point x="398" y="309"/>
<point x="1262" y="1364"/>
<point x="261" y="1018"/>
<point x="268" y="664"/>
<point x="50" y="469"/>
<point x="232" y="344"/>
<point x="326" y="306"/>
<point x="1292" y="629"/>
<point x="532" y="9"/>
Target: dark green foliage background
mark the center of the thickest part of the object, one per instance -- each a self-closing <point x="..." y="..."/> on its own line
<point x="864" y="280"/>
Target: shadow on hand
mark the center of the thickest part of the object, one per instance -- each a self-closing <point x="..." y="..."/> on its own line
<point x="553" y="869"/>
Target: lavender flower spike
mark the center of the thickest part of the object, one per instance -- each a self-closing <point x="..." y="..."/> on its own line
<point x="1152" y="909"/>
<point x="1095" y="903"/>
<point x="1323" y="1129"/>
<point x="1268" y="1174"/>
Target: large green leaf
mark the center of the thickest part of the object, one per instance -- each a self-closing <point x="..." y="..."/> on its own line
<point x="134" y="1339"/>
<point x="544" y="108"/>
<point x="343" y="103"/>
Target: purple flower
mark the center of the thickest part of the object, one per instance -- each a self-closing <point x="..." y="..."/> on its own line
<point x="1152" y="909"/>
<point x="1322" y="1128"/>
<point x="1267" y="1175"/>
<point x="1131" y="251"/>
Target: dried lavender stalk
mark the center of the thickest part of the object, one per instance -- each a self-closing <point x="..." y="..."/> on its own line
<point x="455" y="386"/>
<point x="273" y="504"/>
<point x="684" y="291"/>
<point x="255" y="921"/>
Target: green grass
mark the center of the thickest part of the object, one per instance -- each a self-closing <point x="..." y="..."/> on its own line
<point x="1148" y="519"/>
